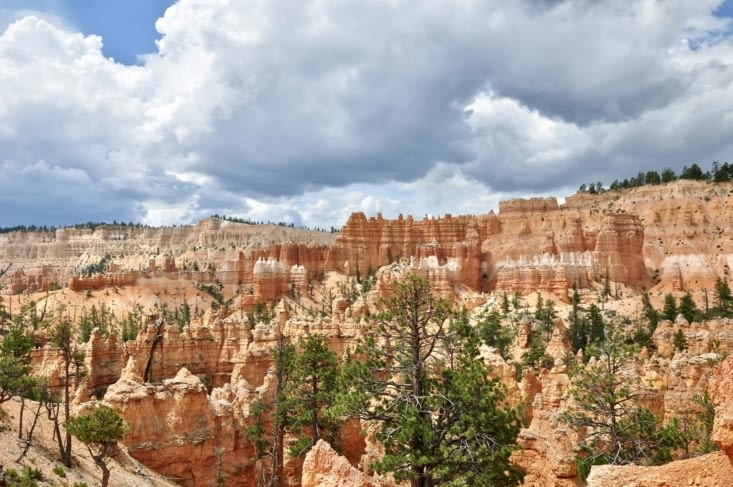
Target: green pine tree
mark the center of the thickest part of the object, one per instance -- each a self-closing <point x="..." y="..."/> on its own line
<point x="669" y="312"/>
<point x="15" y="362"/>
<point x="441" y="417"/>
<point x="578" y="327"/>
<point x="311" y="394"/>
<point x="617" y="428"/>
<point x="505" y="307"/>
<point x="494" y="334"/>
<point x="723" y="296"/>
<point x="688" y="308"/>
<point x="679" y="341"/>
<point x="272" y="416"/>
<point x="62" y="337"/>
<point x="597" y="326"/>
<point x="647" y="324"/>
<point x="99" y="430"/>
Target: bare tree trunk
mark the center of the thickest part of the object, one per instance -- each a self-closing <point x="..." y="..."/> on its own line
<point x="20" y="418"/>
<point x="29" y="434"/>
<point x="102" y="464"/>
<point x="53" y="410"/>
<point x="66" y="452"/>
<point x="105" y="475"/>
<point x="315" y="434"/>
<point x="148" y="375"/>
<point x="278" y="454"/>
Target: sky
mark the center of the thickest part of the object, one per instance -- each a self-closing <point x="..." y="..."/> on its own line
<point x="304" y="111"/>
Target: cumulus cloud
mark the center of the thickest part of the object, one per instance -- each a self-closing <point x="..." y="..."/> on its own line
<point x="299" y="111"/>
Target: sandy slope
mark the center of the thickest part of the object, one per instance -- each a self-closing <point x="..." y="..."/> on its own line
<point x="43" y="455"/>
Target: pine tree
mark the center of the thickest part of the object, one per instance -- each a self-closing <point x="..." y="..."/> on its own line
<point x="618" y="428"/>
<point x="99" y="430"/>
<point x="311" y="393"/>
<point x="494" y="334"/>
<point x="651" y="314"/>
<point x="15" y="368"/>
<point x="15" y="362"/>
<point x="546" y="315"/>
<point x="694" y="172"/>
<point x="668" y="175"/>
<point x="539" y="307"/>
<point x="274" y="411"/>
<point x="688" y="308"/>
<point x="62" y="337"/>
<point x="597" y="332"/>
<point x="646" y="326"/>
<point x="578" y="331"/>
<point x="723" y="296"/>
<point x="679" y="341"/>
<point x="669" y="312"/>
<point x="505" y="304"/>
<point x="441" y="417"/>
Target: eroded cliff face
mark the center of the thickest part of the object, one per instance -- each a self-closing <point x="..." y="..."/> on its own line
<point x="667" y="383"/>
<point x="687" y="229"/>
<point x="211" y="250"/>
<point x="671" y="237"/>
<point x="188" y="419"/>
<point x="556" y="248"/>
<point x="721" y="393"/>
<point x="547" y="445"/>
<point x="178" y="431"/>
<point x="323" y="467"/>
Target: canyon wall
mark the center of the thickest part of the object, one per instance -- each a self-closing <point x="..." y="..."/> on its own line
<point x="674" y="237"/>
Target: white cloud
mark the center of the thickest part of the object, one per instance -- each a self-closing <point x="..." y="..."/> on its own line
<point x="304" y="111"/>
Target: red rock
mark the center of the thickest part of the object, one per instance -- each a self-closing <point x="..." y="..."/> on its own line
<point x="712" y="470"/>
<point x="323" y="467"/>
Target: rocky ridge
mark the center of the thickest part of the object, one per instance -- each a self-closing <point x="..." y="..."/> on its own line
<point x="675" y="236"/>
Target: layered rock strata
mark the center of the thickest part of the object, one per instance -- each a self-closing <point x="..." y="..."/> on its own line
<point x="674" y="237"/>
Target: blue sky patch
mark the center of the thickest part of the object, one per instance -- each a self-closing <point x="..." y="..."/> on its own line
<point x="126" y="26"/>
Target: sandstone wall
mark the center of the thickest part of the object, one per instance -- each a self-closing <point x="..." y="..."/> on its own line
<point x="45" y="257"/>
<point x="673" y="237"/>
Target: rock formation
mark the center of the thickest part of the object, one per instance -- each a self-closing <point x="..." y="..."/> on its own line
<point x="721" y="393"/>
<point x="670" y="236"/>
<point x="710" y="336"/>
<point x="547" y="454"/>
<point x="531" y="245"/>
<point x="323" y="467"/>
<point x="712" y="470"/>
<point x="177" y="431"/>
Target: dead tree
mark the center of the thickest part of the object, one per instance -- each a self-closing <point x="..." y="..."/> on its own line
<point x="157" y="341"/>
